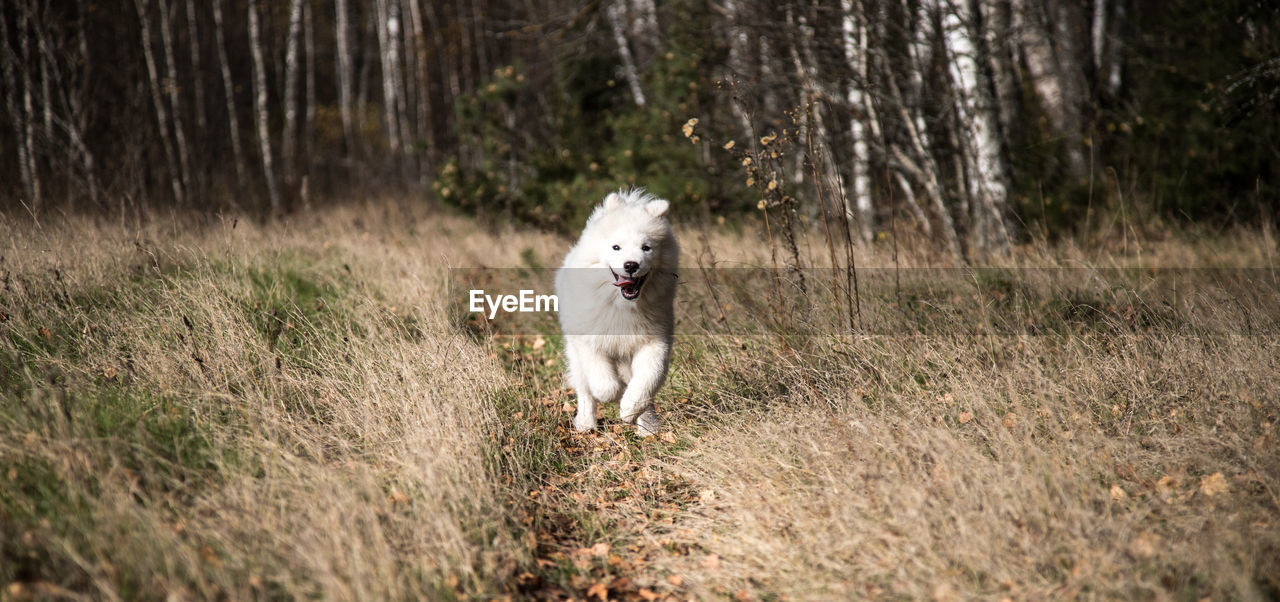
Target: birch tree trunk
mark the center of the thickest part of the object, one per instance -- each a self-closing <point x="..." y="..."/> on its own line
<point x="289" y="141"/>
<point x="740" y="57"/>
<point x="309" y="116"/>
<point x="197" y="84"/>
<point x="853" y="38"/>
<point x="423" y="85"/>
<point x="79" y="117"/>
<point x="646" y="21"/>
<point x="988" y="184"/>
<point x="46" y="97"/>
<point x="17" y="111"/>
<point x="388" y="26"/>
<point x="342" y="29"/>
<point x="175" y="96"/>
<point x="34" y="193"/>
<point x="260" y="107"/>
<point x="197" y="72"/>
<point x="157" y="101"/>
<point x="228" y="87"/>
<point x="1049" y="78"/>
<point x="64" y="110"/>
<point x="614" y="13"/>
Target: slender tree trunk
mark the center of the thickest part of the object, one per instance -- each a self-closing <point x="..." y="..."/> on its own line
<point x="989" y="186"/>
<point x="34" y="194"/>
<point x="17" y="110"/>
<point x="289" y="142"/>
<point x="854" y="43"/>
<point x="197" y="79"/>
<point x="423" y="77"/>
<point x="367" y="60"/>
<point x="1049" y="77"/>
<point x="478" y="34"/>
<point x="46" y="96"/>
<point x="197" y="71"/>
<point x="309" y="116"/>
<point x="466" y="55"/>
<point x="228" y="87"/>
<point x="260" y="107"/>
<point x="451" y="75"/>
<point x="898" y="118"/>
<point x="69" y="89"/>
<point x="388" y="26"/>
<point x="175" y="97"/>
<point x="157" y="101"/>
<point x="342" y="32"/>
<point x="78" y="119"/>
<point x="740" y="57"/>
<point x="646" y="21"/>
<point x="1000" y="39"/>
<point x="614" y="12"/>
<point x="400" y="74"/>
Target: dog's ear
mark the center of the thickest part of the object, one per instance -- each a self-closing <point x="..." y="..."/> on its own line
<point x="657" y="208"/>
<point x="613" y="201"/>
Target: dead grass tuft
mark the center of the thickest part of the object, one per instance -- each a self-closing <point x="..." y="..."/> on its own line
<point x="232" y="410"/>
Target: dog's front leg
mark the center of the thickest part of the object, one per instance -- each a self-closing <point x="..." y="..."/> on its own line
<point x="592" y="375"/>
<point x="648" y="371"/>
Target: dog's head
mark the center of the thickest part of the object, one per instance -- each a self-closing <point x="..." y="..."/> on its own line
<point x="633" y="239"/>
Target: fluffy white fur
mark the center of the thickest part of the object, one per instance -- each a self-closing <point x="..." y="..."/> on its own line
<point x="618" y="348"/>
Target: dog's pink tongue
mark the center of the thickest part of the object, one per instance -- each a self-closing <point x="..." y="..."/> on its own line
<point x="622" y="280"/>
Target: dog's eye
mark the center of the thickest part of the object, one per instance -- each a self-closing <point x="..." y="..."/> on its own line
<point x="645" y="248"/>
<point x="617" y="248"/>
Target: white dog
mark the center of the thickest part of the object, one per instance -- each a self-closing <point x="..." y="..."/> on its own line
<point x="616" y="290"/>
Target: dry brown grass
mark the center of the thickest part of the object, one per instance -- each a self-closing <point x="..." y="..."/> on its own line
<point x="332" y="425"/>
<point x="322" y="428"/>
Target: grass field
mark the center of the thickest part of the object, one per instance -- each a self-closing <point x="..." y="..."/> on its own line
<point x="231" y="410"/>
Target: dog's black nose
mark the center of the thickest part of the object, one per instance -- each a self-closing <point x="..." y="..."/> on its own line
<point x="631" y="267"/>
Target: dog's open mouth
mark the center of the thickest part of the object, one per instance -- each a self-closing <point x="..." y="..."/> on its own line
<point x="629" y="286"/>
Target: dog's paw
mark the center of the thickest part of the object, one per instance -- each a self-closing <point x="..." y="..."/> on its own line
<point x="648" y="424"/>
<point x="584" y="423"/>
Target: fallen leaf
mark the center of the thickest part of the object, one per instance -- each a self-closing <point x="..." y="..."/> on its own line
<point x="675" y="580"/>
<point x="647" y="594"/>
<point x="210" y="556"/>
<point x="965" y="417"/>
<point x="668" y="437"/>
<point x="599" y="590"/>
<point x="1118" y="494"/>
<point x="712" y="561"/>
<point x="1165" y="488"/>
<point x="706" y="496"/>
<point x="1213" y="484"/>
<point x="1142" y="546"/>
<point x="600" y="549"/>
